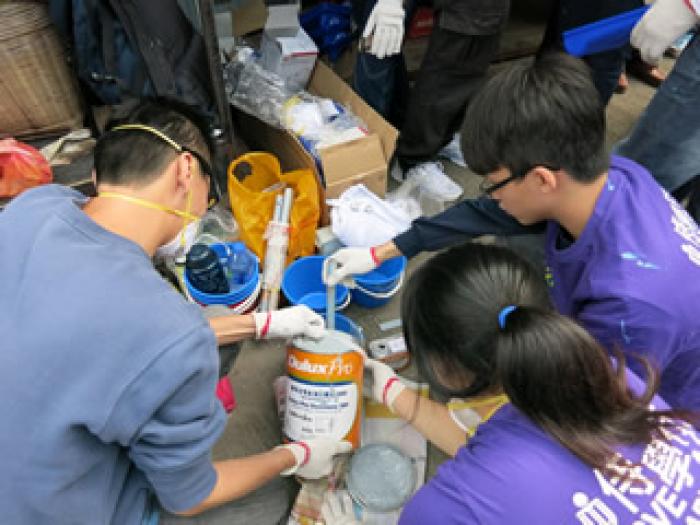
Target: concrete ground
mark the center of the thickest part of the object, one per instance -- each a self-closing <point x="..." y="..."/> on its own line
<point x="254" y="427"/>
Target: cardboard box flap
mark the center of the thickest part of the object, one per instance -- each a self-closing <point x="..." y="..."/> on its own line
<point x="285" y="146"/>
<point x="325" y="83"/>
<point x="248" y="17"/>
<point x="342" y="161"/>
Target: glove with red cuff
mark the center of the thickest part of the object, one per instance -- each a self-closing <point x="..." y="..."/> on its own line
<point x="314" y="458"/>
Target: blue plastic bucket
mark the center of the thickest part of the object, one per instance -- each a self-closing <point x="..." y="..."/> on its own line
<point x="302" y="284"/>
<point x="602" y="35"/>
<point x="241" y="299"/>
<point x="377" y="287"/>
<point x="348" y="326"/>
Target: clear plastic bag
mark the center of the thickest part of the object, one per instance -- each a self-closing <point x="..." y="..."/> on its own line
<point x="219" y="223"/>
<point x="254" y="90"/>
<point x="415" y="201"/>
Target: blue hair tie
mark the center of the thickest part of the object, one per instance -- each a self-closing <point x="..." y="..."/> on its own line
<point x="503" y="314"/>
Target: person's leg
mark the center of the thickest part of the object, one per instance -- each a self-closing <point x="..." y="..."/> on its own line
<point x="666" y="138"/>
<point x="269" y="504"/>
<point x="605" y="69"/>
<point x="382" y="83"/>
<point x="693" y="206"/>
<point x="690" y="191"/>
<point x="452" y="71"/>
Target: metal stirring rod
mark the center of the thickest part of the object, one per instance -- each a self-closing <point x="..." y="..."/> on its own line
<point x="330" y="299"/>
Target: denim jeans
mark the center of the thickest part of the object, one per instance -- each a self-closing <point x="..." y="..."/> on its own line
<point x="666" y="139"/>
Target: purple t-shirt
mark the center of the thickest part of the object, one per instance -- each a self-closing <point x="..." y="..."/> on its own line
<point x="513" y="472"/>
<point x="633" y="278"/>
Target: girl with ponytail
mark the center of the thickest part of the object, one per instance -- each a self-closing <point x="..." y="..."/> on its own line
<point x="581" y="440"/>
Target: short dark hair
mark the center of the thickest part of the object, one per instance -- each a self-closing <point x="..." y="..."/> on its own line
<point x="135" y="157"/>
<point x="550" y="368"/>
<point x="546" y="112"/>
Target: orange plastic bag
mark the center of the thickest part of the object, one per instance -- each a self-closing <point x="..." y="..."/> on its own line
<point x="21" y="167"/>
<point x="248" y="177"/>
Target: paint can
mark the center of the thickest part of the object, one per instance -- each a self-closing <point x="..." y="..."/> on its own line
<point x="324" y="391"/>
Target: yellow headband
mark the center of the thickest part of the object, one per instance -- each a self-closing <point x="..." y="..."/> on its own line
<point x="152" y="131"/>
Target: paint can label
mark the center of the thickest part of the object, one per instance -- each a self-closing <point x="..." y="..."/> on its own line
<point x="324" y="395"/>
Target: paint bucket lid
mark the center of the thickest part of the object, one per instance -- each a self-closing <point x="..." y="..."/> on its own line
<point x="381" y="477"/>
<point x="332" y="342"/>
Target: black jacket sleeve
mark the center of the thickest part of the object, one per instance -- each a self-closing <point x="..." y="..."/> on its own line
<point x="463" y="221"/>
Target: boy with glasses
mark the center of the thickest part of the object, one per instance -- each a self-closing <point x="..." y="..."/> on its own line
<point x="622" y="257"/>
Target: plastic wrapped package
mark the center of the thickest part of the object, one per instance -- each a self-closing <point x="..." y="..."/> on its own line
<point x="254" y="90"/>
<point x="320" y="122"/>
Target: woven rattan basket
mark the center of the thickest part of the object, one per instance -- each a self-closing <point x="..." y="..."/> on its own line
<point x="38" y="94"/>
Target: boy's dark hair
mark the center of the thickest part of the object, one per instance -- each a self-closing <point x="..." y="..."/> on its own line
<point x="544" y="113"/>
<point x="550" y="368"/>
<point x="136" y="157"/>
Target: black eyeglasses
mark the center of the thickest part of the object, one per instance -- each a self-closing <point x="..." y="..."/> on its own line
<point x="487" y="189"/>
<point x="214" y="191"/>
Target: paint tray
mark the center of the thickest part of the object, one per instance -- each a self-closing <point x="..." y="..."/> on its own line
<point x="602" y="35"/>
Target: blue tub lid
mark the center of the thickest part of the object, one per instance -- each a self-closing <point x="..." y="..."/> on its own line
<point x="381" y="477"/>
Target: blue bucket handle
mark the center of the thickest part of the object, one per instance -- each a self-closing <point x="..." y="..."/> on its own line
<point x="381" y="295"/>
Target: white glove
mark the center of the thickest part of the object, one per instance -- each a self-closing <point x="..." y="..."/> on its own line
<point x="337" y="509"/>
<point x="314" y="458"/>
<point x="349" y="262"/>
<point x="383" y="384"/>
<point x="289" y="322"/>
<point x="385" y="24"/>
<point x="665" y="21"/>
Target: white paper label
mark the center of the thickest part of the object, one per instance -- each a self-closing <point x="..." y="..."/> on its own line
<point x="319" y="410"/>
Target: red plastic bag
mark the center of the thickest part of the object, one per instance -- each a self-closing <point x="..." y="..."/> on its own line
<point x="21" y="167"/>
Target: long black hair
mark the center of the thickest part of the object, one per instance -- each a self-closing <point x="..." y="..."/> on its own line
<point x="550" y="368"/>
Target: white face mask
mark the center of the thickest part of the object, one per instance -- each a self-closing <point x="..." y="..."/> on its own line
<point x="177" y="248"/>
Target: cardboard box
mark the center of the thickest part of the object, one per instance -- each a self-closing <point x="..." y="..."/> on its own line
<point x="286" y="49"/>
<point x="364" y="160"/>
<point x="250" y="16"/>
